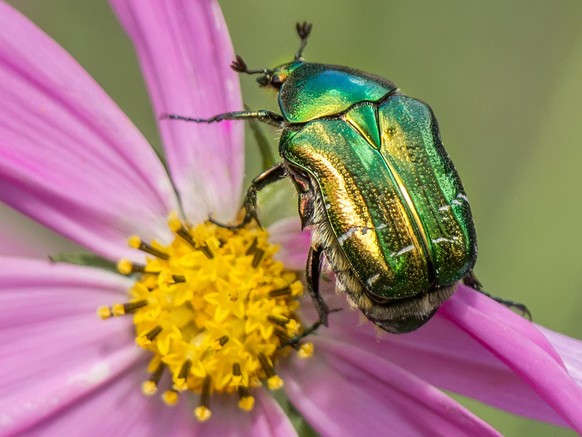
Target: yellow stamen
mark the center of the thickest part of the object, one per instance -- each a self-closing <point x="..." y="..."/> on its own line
<point x="170" y="397"/>
<point x="118" y="310"/>
<point x="125" y="266"/>
<point x="280" y="292"/>
<point x="149" y="388"/>
<point x="121" y="309"/>
<point x="202" y="413"/>
<point x="220" y="342"/>
<point x="252" y="247"/>
<point x="293" y="327"/>
<point x="246" y="401"/>
<point x="104" y="312"/>
<point x="236" y="374"/>
<point x="305" y="350"/>
<point x="180" y="383"/>
<point x="134" y="241"/>
<point x="214" y="308"/>
<point x="137" y="243"/>
<point x="174" y="223"/>
<point x="274" y="382"/>
<point x="149" y="336"/>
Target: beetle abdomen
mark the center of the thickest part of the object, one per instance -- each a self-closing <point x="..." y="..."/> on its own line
<point x="397" y="316"/>
<point x="362" y="206"/>
<point x="398" y="213"/>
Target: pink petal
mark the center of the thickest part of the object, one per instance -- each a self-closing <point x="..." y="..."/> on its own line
<point x="55" y="350"/>
<point x="292" y="241"/>
<point x="503" y="363"/>
<point x="69" y="157"/>
<point x="343" y="390"/>
<point x="266" y="419"/>
<point x="269" y="419"/>
<point x="569" y="349"/>
<point x="185" y="52"/>
<point x="518" y="350"/>
<point x="118" y="408"/>
<point x="21" y="236"/>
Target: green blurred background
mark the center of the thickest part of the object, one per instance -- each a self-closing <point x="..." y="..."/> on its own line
<point x="504" y="79"/>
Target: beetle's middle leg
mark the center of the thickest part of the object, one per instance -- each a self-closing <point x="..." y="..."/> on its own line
<point x="274" y="174"/>
<point x="471" y="280"/>
<point x="268" y="177"/>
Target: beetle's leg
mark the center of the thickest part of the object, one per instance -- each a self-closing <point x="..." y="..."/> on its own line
<point x="312" y="278"/>
<point x="312" y="272"/>
<point x="303" y="30"/>
<point x="272" y="175"/>
<point x="520" y="307"/>
<point x="471" y="280"/>
<point x="262" y="115"/>
<point x="240" y="66"/>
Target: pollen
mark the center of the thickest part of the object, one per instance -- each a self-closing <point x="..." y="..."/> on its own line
<point x="215" y="310"/>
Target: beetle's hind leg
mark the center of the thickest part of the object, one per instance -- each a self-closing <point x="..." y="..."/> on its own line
<point x="312" y="274"/>
<point x="272" y="175"/>
<point x="471" y="280"/>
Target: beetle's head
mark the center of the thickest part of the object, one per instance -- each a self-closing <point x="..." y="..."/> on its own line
<point x="274" y="78"/>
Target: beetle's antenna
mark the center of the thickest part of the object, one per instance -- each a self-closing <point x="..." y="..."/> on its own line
<point x="240" y="66"/>
<point x="303" y="30"/>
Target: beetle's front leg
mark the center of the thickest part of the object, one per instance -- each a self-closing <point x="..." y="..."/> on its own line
<point x="262" y="115"/>
<point x="471" y="280"/>
<point x="272" y="175"/>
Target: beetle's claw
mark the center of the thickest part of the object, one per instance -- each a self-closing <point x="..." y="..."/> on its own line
<point x="470" y="280"/>
<point x="250" y="215"/>
<point x="518" y="307"/>
<point x="294" y="342"/>
<point x="523" y="310"/>
<point x="239" y="65"/>
<point x="224" y="225"/>
<point x="304" y="29"/>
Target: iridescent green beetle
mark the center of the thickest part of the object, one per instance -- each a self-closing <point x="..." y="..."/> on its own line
<point x="386" y="204"/>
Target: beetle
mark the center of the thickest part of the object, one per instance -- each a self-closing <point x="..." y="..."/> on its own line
<point x="386" y="205"/>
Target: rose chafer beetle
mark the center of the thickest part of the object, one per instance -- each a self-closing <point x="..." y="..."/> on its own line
<point x="386" y="204"/>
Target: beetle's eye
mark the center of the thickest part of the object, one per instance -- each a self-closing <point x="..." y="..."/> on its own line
<point x="276" y="80"/>
<point x="263" y="80"/>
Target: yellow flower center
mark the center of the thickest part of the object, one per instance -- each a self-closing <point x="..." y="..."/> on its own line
<point x="215" y="309"/>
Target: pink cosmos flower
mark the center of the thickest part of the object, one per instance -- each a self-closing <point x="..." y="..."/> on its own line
<point x="71" y="160"/>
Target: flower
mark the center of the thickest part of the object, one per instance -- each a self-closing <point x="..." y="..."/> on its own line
<point x="72" y="161"/>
